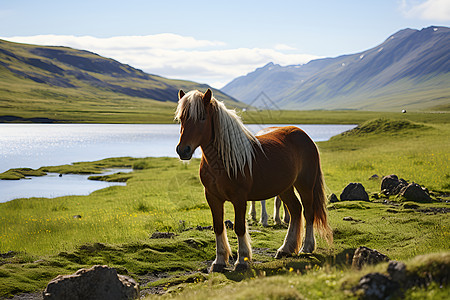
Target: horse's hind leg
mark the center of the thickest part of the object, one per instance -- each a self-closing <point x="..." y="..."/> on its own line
<point x="293" y="237"/>
<point x="276" y="210"/>
<point x="264" y="217"/>
<point x="252" y="210"/>
<point x="276" y="214"/>
<point x="306" y="195"/>
<point x="286" y="216"/>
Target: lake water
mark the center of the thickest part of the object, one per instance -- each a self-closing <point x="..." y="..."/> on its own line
<point x="37" y="145"/>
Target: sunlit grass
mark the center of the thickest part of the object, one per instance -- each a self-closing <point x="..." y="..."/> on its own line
<point x="113" y="226"/>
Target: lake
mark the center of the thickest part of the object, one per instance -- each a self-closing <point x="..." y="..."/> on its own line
<point x="37" y="145"/>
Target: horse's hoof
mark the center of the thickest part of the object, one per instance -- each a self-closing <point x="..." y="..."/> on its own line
<point x="306" y="250"/>
<point x="281" y="254"/>
<point x="217" y="268"/>
<point x="241" y="267"/>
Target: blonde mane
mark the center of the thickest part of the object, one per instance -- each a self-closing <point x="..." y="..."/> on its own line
<point x="233" y="141"/>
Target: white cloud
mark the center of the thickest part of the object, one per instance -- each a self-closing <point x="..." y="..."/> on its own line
<point x="176" y="56"/>
<point x="282" y="47"/>
<point x="432" y="10"/>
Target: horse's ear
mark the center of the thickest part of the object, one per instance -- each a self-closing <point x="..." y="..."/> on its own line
<point x="180" y="94"/>
<point x="207" y="97"/>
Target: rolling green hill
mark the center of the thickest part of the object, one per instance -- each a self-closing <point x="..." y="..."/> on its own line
<point x="48" y="84"/>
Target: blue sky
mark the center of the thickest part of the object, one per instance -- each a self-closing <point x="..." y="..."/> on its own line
<point x="215" y="41"/>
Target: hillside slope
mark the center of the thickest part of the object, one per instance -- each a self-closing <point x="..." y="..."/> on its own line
<point x="410" y="69"/>
<point x="68" y="84"/>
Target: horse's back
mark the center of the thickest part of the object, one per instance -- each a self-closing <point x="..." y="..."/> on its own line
<point x="285" y="134"/>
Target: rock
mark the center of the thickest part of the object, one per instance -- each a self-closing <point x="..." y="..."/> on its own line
<point x="162" y="235"/>
<point x="414" y="192"/>
<point x="98" y="282"/>
<point x="201" y="228"/>
<point x="354" y="191"/>
<point x="374" y="177"/>
<point x="348" y="219"/>
<point x="8" y="254"/>
<point x="333" y="198"/>
<point x="229" y="224"/>
<point x="391" y="185"/>
<point x="366" y="256"/>
<point x="397" y="271"/>
<point x="376" y="286"/>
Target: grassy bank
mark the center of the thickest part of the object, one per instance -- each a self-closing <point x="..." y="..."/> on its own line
<point x="142" y="111"/>
<point x="114" y="226"/>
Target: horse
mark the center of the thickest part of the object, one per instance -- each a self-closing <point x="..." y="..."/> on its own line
<point x="237" y="166"/>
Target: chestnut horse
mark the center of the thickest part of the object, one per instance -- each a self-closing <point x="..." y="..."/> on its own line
<point x="238" y="167"/>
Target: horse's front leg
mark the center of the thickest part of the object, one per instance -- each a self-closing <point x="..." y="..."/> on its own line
<point x="223" y="251"/>
<point x="240" y="227"/>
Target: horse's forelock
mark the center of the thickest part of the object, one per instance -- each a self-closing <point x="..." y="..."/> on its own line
<point x="190" y="107"/>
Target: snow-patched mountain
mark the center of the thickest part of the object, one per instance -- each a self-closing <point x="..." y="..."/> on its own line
<point x="410" y="69"/>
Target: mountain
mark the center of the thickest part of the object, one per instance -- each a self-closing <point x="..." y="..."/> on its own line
<point x="409" y="70"/>
<point x="38" y="82"/>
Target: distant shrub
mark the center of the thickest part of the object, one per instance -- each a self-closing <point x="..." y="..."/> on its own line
<point x="142" y="207"/>
<point x="142" y="165"/>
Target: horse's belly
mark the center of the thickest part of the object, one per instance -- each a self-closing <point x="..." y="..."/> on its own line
<point x="271" y="183"/>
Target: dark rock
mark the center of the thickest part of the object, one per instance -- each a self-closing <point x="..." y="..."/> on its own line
<point x="397" y="271"/>
<point x="374" y="177"/>
<point x="392" y="185"/>
<point x="162" y="235"/>
<point x="354" y="191"/>
<point x="229" y="224"/>
<point x="366" y="256"/>
<point x="77" y="216"/>
<point x="98" y="282"/>
<point x="376" y="286"/>
<point x="414" y="192"/>
<point x="8" y="254"/>
<point x="201" y="228"/>
<point x="333" y="198"/>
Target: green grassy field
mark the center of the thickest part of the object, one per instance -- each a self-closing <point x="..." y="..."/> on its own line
<point x="165" y="195"/>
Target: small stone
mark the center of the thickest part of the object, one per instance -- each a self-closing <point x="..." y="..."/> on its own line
<point x="414" y="192"/>
<point x="333" y="198"/>
<point x="162" y="235"/>
<point x="354" y="191"/>
<point x="391" y="184"/>
<point x="366" y="256"/>
<point x="229" y="224"/>
<point x="98" y="282"/>
<point x="397" y="271"/>
<point x="376" y="286"/>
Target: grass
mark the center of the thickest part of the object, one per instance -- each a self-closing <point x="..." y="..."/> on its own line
<point x="165" y="195"/>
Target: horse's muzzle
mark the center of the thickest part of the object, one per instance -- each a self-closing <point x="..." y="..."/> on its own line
<point x="185" y="153"/>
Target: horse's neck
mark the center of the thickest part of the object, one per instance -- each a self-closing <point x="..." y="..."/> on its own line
<point x="212" y="157"/>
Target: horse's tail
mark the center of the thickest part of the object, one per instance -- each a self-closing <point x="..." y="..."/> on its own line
<point x="320" y="207"/>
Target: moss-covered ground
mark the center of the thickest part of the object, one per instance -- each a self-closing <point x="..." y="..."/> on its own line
<point x="41" y="238"/>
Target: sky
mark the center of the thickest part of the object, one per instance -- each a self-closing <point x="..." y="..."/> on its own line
<point x="214" y="42"/>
